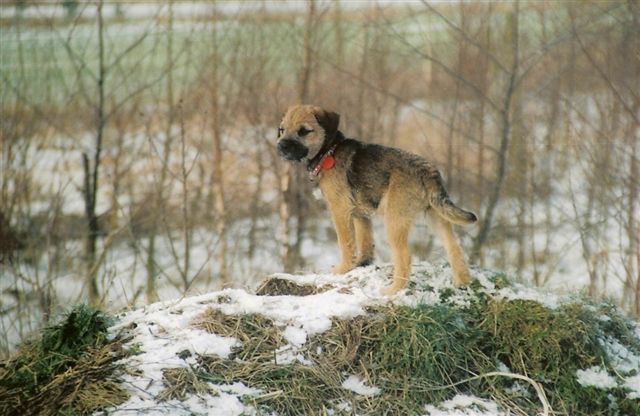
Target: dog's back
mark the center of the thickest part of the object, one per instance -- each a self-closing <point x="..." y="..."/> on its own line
<point x="370" y="167"/>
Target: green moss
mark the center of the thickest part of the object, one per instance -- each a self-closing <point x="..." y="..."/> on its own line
<point x="429" y="347"/>
<point x="500" y="280"/>
<point x="66" y="370"/>
<point x="532" y="339"/>
<point x="59" y="347"/>
<point x="551" y="345"/>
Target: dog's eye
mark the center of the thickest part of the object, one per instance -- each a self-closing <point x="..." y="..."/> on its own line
<point x="303" y="131"/>
<point x="280" y="131"/>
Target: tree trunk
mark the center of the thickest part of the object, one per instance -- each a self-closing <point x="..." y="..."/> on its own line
<point x="151" y="292"/>
<point x="487" y="218"/>
<point x="362" y="72"/>
<point x="219" y="203"/>
<point x="255" y="200"/>
<point x="91" y="173"/>
<point x="218" y="172"/>
<point x="633" y="227"/>
<point x="305" y="72"/>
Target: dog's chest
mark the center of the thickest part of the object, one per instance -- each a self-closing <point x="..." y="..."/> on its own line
<point x="332" y="185"/>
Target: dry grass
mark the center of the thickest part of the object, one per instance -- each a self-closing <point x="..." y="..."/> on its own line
<point x="276" y="286"/>
<point x="258" y="334"/>
<point x="180" y="382"/>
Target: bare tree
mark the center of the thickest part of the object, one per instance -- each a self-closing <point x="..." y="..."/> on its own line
<point x="632" y="268"/>
<point x="91" y="167"/>
<point x="218" y="171"/>
<point x="506" y="132"/>
<point x="159" y="195"/>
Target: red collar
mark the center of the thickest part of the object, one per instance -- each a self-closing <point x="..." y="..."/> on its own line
<point x="327" y="161"/>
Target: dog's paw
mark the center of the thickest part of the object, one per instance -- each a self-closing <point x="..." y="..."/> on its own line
<point x="390" y="290"/>
<point x="461" y="280"/>
<point x="341" y="268"/>
<point x="364" y="263"/>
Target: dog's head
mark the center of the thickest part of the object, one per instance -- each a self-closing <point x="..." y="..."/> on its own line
<point x="304" y="130"/>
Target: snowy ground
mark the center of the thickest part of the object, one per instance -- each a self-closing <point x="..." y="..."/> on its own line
<point x="163" y="330"/>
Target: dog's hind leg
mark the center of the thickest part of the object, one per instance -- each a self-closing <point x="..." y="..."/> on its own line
<point x="461" y="276"/>
<point x="400" y="205"/>
<point x="397" y="231"/>
<point x="364" y="240"/>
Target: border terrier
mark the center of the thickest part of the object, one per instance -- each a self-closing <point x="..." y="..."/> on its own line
<point x="359" y="179"/>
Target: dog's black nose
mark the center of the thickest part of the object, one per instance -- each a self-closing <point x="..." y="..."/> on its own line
<point x="292" y="149"/>
<point x="282" y="146"/>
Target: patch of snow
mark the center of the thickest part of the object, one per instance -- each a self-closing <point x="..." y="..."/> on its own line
<point x="355" y="384"/>
<point x="623" y="360"/>
<point x="310" y="314"/>
<point x="296" y="336"/>
<point x="633" y="384"/>
<point x="518" y="389"/>
<point x="502" y="367"/>
<point x="626" y="365"/>
<point x="163" y="334"/>
<point x="597" y="377"/>
<point x="465" y="405"/>
<point x="238" y="388"/>
<point x="342" y="407"/>
<point x="224" y="404"/>
<point x="288" y="355"/>
<point x="604" y="318"/>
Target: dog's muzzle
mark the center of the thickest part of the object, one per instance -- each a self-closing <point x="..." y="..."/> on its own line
<point x="292" y="150"/>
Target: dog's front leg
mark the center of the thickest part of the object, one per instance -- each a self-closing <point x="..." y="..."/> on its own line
<point x="343" y="221"/>
<point x="364" y="240"/>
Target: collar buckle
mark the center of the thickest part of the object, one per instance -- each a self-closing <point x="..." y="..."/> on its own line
<point x="327" y="161"/>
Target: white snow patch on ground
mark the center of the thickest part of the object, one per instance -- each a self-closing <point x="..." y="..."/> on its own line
<point x="596" y="376"/>
<point x="295" y="336"/>
<point x="623" y="360"/>
<point x="633" y="385"/>
<point x="355" y="384"/>
<point x="626" y="364"/>
<point x="464" y="405"/>
<point x="289" y="354"/>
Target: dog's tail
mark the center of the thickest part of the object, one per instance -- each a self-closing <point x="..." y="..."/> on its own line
<point x="439" y="200"/>
<point x="437" y="197"/>
<point x="441" y="203"/>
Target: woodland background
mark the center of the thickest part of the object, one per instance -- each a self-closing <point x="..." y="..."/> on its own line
<point x="137" y="155"/>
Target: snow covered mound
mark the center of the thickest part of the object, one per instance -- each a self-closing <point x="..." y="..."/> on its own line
<point x="321" y="343"/>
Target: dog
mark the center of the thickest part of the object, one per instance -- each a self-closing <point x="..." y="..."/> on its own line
<point x="360" y="179"/>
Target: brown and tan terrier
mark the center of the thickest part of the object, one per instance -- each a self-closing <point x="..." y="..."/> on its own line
<point x="359" y="179"/>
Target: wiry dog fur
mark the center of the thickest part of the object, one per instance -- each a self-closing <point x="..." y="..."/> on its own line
<point x="369" y="179"/>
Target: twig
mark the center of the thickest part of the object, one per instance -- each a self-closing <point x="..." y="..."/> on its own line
<point x="546" y="407"/>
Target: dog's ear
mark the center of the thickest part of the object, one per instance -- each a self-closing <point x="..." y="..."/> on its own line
<point x="329" y="121"/>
